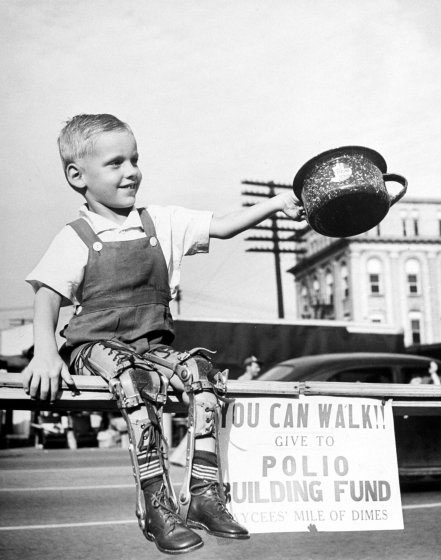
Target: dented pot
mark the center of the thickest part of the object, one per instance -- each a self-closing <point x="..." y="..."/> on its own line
<point x="343" y="190"/>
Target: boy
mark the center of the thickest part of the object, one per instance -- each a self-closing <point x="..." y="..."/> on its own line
<point x="120" y="265"/>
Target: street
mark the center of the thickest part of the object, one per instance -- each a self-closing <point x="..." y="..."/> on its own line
<point x="74" y="504"/>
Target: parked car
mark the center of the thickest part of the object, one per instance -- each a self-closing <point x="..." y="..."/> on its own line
<point x="365" y="367"/>
<point x="418" y="436"/>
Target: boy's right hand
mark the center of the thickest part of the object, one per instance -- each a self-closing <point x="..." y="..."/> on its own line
<point x="41" y="378"/>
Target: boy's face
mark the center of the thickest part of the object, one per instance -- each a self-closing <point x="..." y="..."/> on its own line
<point x="110" y="173"/>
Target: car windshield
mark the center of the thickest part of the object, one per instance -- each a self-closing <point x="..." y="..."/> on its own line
<point x="278" y="372"/>
<point x="353" y="368"/>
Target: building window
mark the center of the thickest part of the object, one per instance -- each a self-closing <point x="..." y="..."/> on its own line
<point x="305" y="300"/>
<point x="412" y="281"/>
<point x="375" y="276"/>
<point x="415" y="217"/>
<point x="344" y="280"/>
<point x="403" y="226"/>
<point x="403" y="215"/>
<point x="377" y="317"/>
<point x="329" y="288"/>
<point x="413" y="277"/>
<point x="316" y="286"/>
<point x="374" y="282"/>
<point x="415" y="330"/>
<point x="415" y="227"/>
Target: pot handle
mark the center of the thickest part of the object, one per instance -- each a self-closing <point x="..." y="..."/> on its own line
<point x="399" y="179"/>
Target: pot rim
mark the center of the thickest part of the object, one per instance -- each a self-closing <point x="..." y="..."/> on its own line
<point x="376" y="158"/>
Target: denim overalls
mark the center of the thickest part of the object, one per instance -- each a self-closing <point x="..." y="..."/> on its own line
<point x="125" y="292"/>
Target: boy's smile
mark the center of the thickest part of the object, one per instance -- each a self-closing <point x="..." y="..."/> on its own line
<point x="110" y="174"/>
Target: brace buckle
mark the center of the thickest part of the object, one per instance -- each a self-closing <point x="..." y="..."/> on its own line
<point x="161" y="399"/>
<point x="196" y="386"/>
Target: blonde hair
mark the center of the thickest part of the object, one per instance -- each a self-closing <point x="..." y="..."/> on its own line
<point x="77" y="137"/>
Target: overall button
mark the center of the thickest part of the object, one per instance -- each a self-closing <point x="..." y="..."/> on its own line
<point x="153" y="241"/>
<point x="97" y="246"/>
<point x="78" y="310"/>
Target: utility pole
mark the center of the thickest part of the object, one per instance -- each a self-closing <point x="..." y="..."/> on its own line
<point x="268" y="190"/>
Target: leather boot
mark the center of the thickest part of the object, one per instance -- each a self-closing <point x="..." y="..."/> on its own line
<point x="164" y="526"/>
<point x="208" y="511"/>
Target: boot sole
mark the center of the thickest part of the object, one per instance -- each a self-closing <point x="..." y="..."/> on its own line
<point x="151" y="538"/>
<point x="197" y="525"/>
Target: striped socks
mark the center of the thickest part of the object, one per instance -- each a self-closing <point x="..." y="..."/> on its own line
<point x="150" y="469"/>
<point x="205" y="467"/>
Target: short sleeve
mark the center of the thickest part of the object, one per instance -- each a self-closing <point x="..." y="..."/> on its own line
<point x="181" y="232"/>
<point x="62" y="266"/>
<point x="192" y="228"/>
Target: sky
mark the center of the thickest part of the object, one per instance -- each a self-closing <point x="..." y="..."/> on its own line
<point x="216" y="92"/>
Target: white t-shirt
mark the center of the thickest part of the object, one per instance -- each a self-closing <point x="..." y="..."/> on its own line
<point x="180" y="232"/>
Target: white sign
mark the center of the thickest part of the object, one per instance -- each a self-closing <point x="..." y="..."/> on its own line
<point x="311" y="464"/>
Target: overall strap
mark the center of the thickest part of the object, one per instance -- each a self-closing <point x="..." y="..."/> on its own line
<point x="147" y="223"/>
<point x="84" y="231"/>
<point x="89" y="237"/>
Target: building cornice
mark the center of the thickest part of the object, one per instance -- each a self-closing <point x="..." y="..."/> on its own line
<point x="339" y="243"/>
<point x="344" y="242"/>
<point x="419" y="200"/>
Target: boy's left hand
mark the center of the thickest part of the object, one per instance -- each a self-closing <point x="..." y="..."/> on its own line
<point x="292" y="207"/>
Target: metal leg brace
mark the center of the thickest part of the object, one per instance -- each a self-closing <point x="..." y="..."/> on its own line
<point x="205" y="387"/>
<point x="138" y="381"/>
<point x="140" y="390"/>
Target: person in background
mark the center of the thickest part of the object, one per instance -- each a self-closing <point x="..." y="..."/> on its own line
<point x="433" y="372"/>
<point x="431" y="379"/>
<point x="252" y="367"/>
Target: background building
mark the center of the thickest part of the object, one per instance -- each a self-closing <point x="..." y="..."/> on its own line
<point x="390" y="274"/>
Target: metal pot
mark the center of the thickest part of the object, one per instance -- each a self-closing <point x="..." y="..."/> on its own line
<point x="343" y="190"/>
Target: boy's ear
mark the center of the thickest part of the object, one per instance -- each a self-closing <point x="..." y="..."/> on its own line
<point x="75" y="176"/>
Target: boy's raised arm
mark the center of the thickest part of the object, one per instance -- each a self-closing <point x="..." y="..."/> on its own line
<point x="229" y="225"/>
<point x="41" y="378"/>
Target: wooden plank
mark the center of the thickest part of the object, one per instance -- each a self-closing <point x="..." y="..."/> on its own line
<point x="386" y="390"/>
<point x="91" y="393"/>
<point x="94" y="384"/>
<point x="82" y="382"/>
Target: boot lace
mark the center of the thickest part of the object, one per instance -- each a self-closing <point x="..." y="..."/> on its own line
<point x="167" y="507"/>
<point x="200" y="488"/>
<point x="152" y="437"/>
